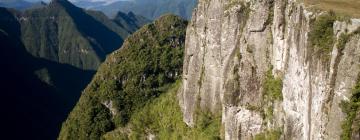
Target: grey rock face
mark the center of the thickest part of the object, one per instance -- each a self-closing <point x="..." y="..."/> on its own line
<point x="231" y="44"/>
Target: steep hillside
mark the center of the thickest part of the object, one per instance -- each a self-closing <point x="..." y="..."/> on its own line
<point x="145" y="66"/>
<point x="130" y="21"/>
<point x="36" y="94"/>
<point x="274" y="69"/>
<point x="64" y="33"/>
<point x="48" y="56"/>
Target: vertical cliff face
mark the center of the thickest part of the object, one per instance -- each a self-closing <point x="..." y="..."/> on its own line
<point x="270" y="67"/>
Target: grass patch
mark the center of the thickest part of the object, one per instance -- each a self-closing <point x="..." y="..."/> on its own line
<point x="272" y="92"/>
<point x="322" y="34"/>
<point x="269" y="135"/>
<point x="343" y="39"/>
<point x="351" y="108"/>
<point x="272" y="87"/>
<point x="163" y="118"/>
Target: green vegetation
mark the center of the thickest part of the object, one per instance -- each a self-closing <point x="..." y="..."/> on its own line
<point x="162" y="118"/>
<point x="48" y="90"/>
<point x="71" y="42"/>
<point x="269" y="135"/>
<point x="130" y="21"/>
<point x="271" y="93"/>
<point x="352" y="110"/>
<point x="64" y="33"/>
<point x="343" y="39"/>
<point x="270" y="17"/>
<point x="272" y="87"/>
<point x="144" y="68"/>
<point x="322" y="34"/>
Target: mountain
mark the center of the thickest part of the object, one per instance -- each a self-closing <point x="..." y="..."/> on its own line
<point x="17" y="4"/>
<point x="138" y="72"/>
<point x="149" y="9"/>
<point x="262" y="70"/>
<point x="49" y="54"/>
<point x="64" y="33"/>
<point x="130" y="21"/>
<point x="21" y="4"/>
<point x="40" y="92"/>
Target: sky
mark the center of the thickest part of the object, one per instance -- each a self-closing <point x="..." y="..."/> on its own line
<point x="77" y="0"/>
<point x="105" y="2"/>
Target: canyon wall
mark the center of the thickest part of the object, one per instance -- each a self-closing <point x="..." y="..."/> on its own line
<point x="236" y="49"/>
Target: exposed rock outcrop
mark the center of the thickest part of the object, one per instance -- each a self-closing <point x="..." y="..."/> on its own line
<point x="232" y="44"/>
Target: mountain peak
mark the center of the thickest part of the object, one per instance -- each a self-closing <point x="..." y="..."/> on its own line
<point x="58" y="1"/>
<point x="64" y="3"/>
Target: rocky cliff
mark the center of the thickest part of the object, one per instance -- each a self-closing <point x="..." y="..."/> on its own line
<point x="272" y="68"/>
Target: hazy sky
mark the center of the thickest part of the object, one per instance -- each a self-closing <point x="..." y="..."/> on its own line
<point x="76" y="0"/>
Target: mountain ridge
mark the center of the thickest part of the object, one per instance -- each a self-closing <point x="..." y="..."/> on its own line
<point x="35" y="88"/>
<point x="60" y="17"/>
<point x="70" y="35"/>
<point x="155" y="53"/>
<point x="21" y="4"/>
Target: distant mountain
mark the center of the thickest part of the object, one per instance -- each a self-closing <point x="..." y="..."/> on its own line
<point x="94" y="3"/>
<point x="21" y="4"/>
<point x="150" y="9"/>
<point x="64" y="33"/>
<point x="130" y="21"/>
<point x="36" y="94"/>
<point x="48" y="55"/>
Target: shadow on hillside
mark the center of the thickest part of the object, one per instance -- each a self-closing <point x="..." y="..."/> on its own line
<point x="109" y="40"/>
<point x="31" y="108"/>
